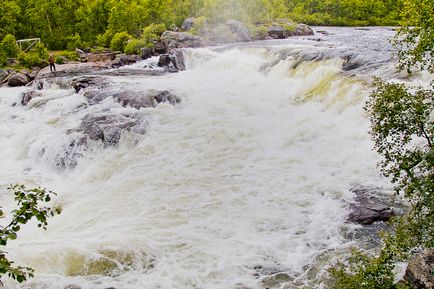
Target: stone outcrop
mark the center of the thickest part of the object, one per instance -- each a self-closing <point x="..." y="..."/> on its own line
<point x="239" y="30"/>
<point x="369" y="207"/>
<point x="27" y="96"/>
<point x="283" y="29"/>
<point x="172" y="40"/>
<point x="420" y="269"/>
<point x="18" y="79"/>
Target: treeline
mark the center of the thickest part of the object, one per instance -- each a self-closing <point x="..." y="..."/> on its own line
<point x="60" y="23"/>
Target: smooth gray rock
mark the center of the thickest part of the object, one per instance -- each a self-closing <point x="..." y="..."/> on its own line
<point x="240" y="30"/>
<point x="123" y="59"/>
<point x="303" y="30"/>
<point x="276" y="32"/>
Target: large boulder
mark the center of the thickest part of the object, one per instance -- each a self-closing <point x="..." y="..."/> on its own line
<point x="83" y="82"/>
<point x="145" y="99"/>
<point x="18" y="79"/>
<point x="27" y="96"/>
<point x="276" y="32"/>
<point x="172" y="40"/>
<point x="420" y="269"/>
<point x="369" y="207"/>
<point x="240" y="30"/>
<point x="188" y="24"/>
<point x="283" y="29"/>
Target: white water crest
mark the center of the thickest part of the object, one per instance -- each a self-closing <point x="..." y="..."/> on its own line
<point x="248" y="177"/>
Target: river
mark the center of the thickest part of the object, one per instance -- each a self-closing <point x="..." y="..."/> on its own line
<point x="244" y="184"/>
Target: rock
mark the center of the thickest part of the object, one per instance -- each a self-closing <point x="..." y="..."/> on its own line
<point x="166" y="96"/>
<point x="72" y="69"/>
<point x="159" y="48"/>
<point x="123" y="59"/>
<point x="108" y="127"/>
<point x="27" y="96"/>
<point x="33" y="74"/>
<point x="18" y="79"/>
<point x="3" y="75"/>
<point x="420" y="269"/>
<point x="240" y="30"/>
<point x="303" y="30"/>
<point x="172" y="40"/>
<point x="276" y="32"/>
<point x="146" y="53"/>
<point x="99" y="57"/>
<point x="140" y="100"/>
<point x="188" y="24"/>
<point x="369" y="208"/>
<point x="83" y="82"/>
<point x="173" y="61"/>
<point x="134" y="99"/>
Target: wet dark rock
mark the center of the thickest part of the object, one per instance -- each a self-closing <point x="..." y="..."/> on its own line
<point x="95" y="96"/>
<point x="166" y="96"/>
<point x="369" y="207"/>
<point x="83" y="82"/>
<point x="159" y="48"/>
<point x="134" y="99"/>
<point x="173" y="61"/>
<point x="146" y="53"/>
<point x="27" y="96"/>
<point x="172" y="40"/>
<point x="145" y="99"/>
<point x="123" y="59"/>
<point x="420" y="269"/>
<point x="33" y="75"/>
<point x="240" y="30"/>
<point x="284" y="29"/>
<point x="18" y="79"/>
<point x="188" y="24"/>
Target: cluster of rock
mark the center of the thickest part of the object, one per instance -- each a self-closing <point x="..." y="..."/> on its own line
<point x="21" y="78"/>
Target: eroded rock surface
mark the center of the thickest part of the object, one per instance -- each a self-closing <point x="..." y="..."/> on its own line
<point x="420" y="270"/>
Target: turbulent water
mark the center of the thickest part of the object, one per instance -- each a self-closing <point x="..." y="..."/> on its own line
<point x="244" y="184"/>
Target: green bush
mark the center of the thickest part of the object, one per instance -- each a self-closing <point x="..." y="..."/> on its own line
<point x="9" y="46"/>
<point x="74" y="41"/>
<point x="3" y="57"/>
<point x="69" y="55"/>
<point x="31" y="59"/>
<point x="153" y="32"/>
<point x="120" y="40"/>
<point x="41" y="51"/>
<point x="134" y="45"/>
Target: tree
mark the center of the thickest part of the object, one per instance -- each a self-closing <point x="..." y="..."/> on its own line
<point x="30" y="205"/>
<point x="402" y="127"/>
<point x="9" y="46"/>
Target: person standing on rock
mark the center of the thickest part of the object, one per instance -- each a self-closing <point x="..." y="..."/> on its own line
<point x="51" y="60"/>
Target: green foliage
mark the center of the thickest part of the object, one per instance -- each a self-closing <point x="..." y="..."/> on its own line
<point x="133" y="46"/>
<point x="31" y="59"/>
<point x="3" y="57"/>
<point x="119" y="41"/>
<point x="9" y="46"/>
<point x="41" y="51"/>
<point x="416" y="40"/>
<point x="152" y="32"/>
<point x="30" y="205"/>
<point x="74" y="42"/>
<point x="69" y="55"/>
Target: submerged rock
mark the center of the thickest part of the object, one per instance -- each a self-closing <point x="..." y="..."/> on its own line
<point x="145" y="99"/>
<point x="369" y="207"/>
<point x="27" y="96"/>
<point x="83" y="82"/>
<point x="420" y="269"/>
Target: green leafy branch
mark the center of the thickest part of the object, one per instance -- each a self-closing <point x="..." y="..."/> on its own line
<point x="30" y="203"/>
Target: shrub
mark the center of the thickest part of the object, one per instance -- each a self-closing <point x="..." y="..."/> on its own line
<point x="31" y="59"/>
<point x="69" y="55"/>
<point x="74" y="41"/>
<point x="3" y="57"/>
<point x="134" y="45"/>
<point x="41" y="51"/>
<point x="153" y="32"/>
<point x="9" y="46"/>
<point x="119" y="41"/>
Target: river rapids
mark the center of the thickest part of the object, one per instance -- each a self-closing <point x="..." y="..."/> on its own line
<point x="243" y="184"/>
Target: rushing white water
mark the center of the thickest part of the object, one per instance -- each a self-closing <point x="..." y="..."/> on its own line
<point x="247" y="177"/>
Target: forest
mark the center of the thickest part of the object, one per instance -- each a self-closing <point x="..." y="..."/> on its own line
<point x="63" y="24"/>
